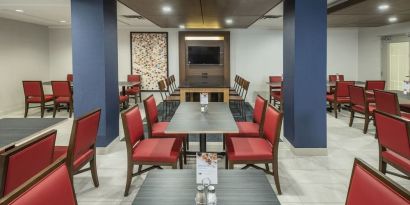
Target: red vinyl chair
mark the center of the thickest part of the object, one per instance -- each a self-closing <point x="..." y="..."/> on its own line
<point x="254" y="128"/>
<point x="340" y="96"/>
<point x="81" y="148"/>
<point x="51" y="186"/>
<point x="34" y="94"/>
<point x="359" y="104"/>
<point x="156" y="129"/>
<point x="389" y="103"/>
<point x="123" y="101"/>
<point x="134" y="90"/>
<point x="333" y="78"/>
<point x="70" y="77"/>
<point x="23" y="162"/>
<point x="275" y="91"/>
<point x="153" y="151"/>
<point x="394" y="142"/>
<point x="262" y="150"/>
<point x="374" y="85"/>
<point x="62" y="95"/>
<point x="368" y="186"/>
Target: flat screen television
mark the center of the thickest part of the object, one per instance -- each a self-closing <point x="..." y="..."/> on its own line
<point x="204" y="55"/>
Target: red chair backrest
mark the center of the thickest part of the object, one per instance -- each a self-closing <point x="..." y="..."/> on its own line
<point x="357" y="96"/>
<point x="70" y="77"/>
<point x="151" y="110"/>
<point x="333" y="78"/>
<point x="369" y="186"/>
<point x="272" y="125"/>
<point x="133" y="78"/>
<point x="24" y="161"/>
<point x="275" y="79"/>
<point x="393" y="133"/>
<point x="260" y="108"/>
<point x="33" y="88"/>
<point x="342" y="88"/>
<point x="84" y="134"/>
<point x="51" y="186"/>
<point x="375" y="84"/>
<point x="61" y="88"/>
<point x="387" y="102"/>
<point x="133" y="126"/>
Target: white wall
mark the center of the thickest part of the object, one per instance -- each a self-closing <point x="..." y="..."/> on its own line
<point x="255" y="53"/>
<point x="370" y="48"/>
<point x="23" y="56"/>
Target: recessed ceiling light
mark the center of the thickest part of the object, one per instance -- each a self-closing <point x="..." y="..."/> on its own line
<point x="181" y="26"/>
<point x="383" y="7"/>
<point x="19" y="10"/>
<point x="228" y="21"/>
<point x="393" y="19"/>
<point x="63" y="21"/>
<point x="166" y="9"/>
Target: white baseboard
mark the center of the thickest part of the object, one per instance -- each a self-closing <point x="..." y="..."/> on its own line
<point x="306" y="151"/>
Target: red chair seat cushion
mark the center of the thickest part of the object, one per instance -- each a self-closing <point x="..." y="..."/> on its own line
<point x="331" y="98"/>
<point x="133" y="91"/>
<point x="63" y="100"/>
<point x="123" y="98"/>
<point x="158" y="130"/>
<point x="164" y="150"/>
<point x="240" y="149"/>
<point x="246" y="129"/>
<point x="79" y="162"/>
<point x="361" y="108"/>
<point x="47" y="98"/>
<point x="397" y="160"/>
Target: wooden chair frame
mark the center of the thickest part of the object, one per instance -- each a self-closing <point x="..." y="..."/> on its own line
<point x="336" y="105"/>
<point x="42" y="103"/>
<point x="70" y="105"/>
<point x="240" y="100"/>
<point x="170" y="102"/>
<point x="367" y="115"/>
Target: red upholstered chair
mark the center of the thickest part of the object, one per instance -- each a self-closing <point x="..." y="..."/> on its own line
<point x="153" y="151"/>
<point x="368" y="186"/>
<point x="81" y="149"/>
<point x="394" y="142"/>
<point x="359" y="104"/>
<point x="374" y="85"/>
<point x="262" y="150"/>
<point x="275" y="91"/>
<point x="51" y="186"/>
<point x="62" y="95"/>
<point x="70" y="77"/>
<point x="334" y="78"/>
<point x="156" y="129"/>
<point x="34" y="94"/>
<point x="134" y="90"/>
<point x="254" y="128"/>
<point x="123" y="101"/>
<point x="388" y="102"/>
<point x="340" y="96"/>
<point x="23" y="162"/>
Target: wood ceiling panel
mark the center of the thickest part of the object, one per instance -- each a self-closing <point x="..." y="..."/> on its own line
<point x="363" y="20"/>
<point x="370" y="7"/>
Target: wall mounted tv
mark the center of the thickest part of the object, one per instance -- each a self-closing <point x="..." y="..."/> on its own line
<point x="204" y="55"/>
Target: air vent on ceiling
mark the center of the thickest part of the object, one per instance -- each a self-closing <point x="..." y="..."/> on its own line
<point x="270" y="17"/>
<point x="133" y="17"/>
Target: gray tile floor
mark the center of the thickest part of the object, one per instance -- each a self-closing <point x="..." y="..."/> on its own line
<point x="304" y="179"/>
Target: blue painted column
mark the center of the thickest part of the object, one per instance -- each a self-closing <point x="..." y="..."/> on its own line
<point x="304" y="59"/>
<point x="95" y="63"/>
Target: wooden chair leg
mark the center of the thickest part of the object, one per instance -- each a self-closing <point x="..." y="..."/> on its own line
<point x="71" y="109"/>
<point x="42" y="109"/>
<point x="223" y="142"/>
<point x="382" y="166"/>
<point x="175" y="166"/>
<point x="335" y="108"/>
<point x="181" y="161"/>
<point x="184" y="147"/>
<point x="267" y="167"/>
<point x="366" y="123"/>
<point x="243" y="105"/>
<point x="26" y="110"/>
<point x="187" y="142"/>
<point x="230" y="165"/>
<point x="129" y="178"/>
<point x="55" y="109"/>
<point x="351" y="118"/>
<point x="93" y="166"/>
<point x="275" y="172"/>
<point x="226" y="162"/>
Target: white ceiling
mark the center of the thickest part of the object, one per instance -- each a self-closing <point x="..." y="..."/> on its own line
<point x="51" y="12"/>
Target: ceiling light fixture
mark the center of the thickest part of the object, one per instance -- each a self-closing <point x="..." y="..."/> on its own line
<point x="393" y="19"/>
<point x="63" y="21"/>
<point x="181" y="26"/>
<point x="19" y="10"/>
<point x="229" y="21"/>
<point x="383" y="7"/>
<point x="166" y="9"/>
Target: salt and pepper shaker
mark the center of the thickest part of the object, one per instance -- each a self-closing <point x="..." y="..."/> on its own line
<point x="211" y="196"/>
<point x="200" y="198"/>
<point x="205" y="193"/>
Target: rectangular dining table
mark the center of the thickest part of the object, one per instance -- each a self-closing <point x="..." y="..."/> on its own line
<point x="178" y="187"/>
<point x="189" y="119"/>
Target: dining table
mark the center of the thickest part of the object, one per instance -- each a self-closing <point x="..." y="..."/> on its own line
<point x="189" y="119"/>
<point x="123" y="84"/>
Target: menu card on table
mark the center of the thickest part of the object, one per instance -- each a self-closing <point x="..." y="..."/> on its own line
<point x="204" y="98"/>
<point x="207" y="168"/>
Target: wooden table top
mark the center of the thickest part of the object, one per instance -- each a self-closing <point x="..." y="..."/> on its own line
<point x="178" y="187"/>
<point x="189" y="119"/>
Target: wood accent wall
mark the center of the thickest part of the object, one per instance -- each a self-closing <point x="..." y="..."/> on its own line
<point x="196" y="70"/>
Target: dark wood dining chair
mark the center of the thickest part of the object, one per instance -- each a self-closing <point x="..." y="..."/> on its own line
<point x="388" y="102"/>
<point x="62" y="95"/>
<point x="340" y="96"/>
<point x="372" y="85"/>
<point x="337" y="77"/>
<point x="52" y="185"/>
<point x="34" y="94"/>
<point x="275" y="92"/>
<point x="81" y="149"/>
<point x="22" y="162"/>
<point x="258" y="150"/>
<point x="360" y="104"/>
<point x="393" y="134"/>
<point x="70" y="77"/>
<point x="369" y="186"/>
<point x="135" y="90"/>
<point x="170" y="102"/>
<point x="156" y="152"/>
<point x="173" y="83"/>
<point x="240" y="99"/>
<point x="170" y="88"/>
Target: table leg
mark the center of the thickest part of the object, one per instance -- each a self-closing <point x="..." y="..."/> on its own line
<point x="202" y="142"/>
